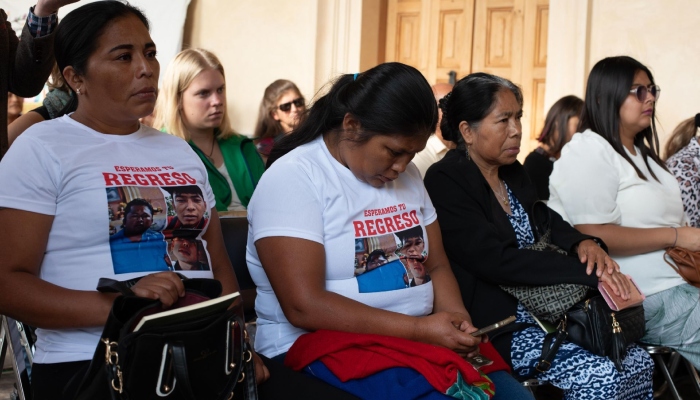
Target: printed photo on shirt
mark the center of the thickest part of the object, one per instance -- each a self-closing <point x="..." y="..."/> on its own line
<point x="136" y="219"/>
<point x="392" y="261"/>
<point x="187" y="209"/>
<point x="187" y="251"/>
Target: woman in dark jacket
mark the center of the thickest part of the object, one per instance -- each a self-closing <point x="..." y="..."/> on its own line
<point x="484" y="202"/>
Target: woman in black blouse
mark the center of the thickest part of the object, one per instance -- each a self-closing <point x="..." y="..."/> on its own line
<point x="559" y="126"/>
<point x="484" y="199"/>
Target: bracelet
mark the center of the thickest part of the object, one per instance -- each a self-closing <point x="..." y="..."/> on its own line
<point x="676" y="239"/>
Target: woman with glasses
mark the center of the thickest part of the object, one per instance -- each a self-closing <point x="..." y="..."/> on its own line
<point x="281" y="110"/>
<point x="192" y="105"/>
<point x="611" y="183"/>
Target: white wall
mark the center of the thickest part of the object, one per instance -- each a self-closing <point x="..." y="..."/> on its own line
<point x="661" y="34"/>
<point x="258" y="41"/>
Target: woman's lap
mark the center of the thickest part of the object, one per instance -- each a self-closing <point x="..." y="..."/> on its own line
<point x="673" y="320"/>
<point x="581" y="374"/>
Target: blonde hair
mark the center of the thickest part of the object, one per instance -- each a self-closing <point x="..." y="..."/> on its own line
<point x="681" y="136"/>
<point x="183" y="69"/>
<point x="266" y="125"/>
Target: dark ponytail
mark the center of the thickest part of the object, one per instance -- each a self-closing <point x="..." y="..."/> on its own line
<point x="471" y="100"/>
<point x="389" y="99"/>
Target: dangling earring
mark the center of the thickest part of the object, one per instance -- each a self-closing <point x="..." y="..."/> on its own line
<point x="467" y="153"/>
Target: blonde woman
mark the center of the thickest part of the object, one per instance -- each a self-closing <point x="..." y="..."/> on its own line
<point x="281" y="110"/>
<point x="192" y="105"/>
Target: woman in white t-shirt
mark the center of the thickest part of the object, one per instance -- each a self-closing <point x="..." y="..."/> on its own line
<point x="339" y="189"/>
<point x="64" y="186"/>
<point x="611" y="183"/>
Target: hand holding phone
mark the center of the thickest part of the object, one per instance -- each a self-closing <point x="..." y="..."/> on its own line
<point x="493" y="327"/>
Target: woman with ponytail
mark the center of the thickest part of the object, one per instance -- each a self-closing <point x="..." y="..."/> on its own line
<point x="683" y="160"/>
<point x="339" y="188"/>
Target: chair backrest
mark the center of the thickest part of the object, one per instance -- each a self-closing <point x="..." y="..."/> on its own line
<point x="235" y="231"/>
<point x="18" y="340"/>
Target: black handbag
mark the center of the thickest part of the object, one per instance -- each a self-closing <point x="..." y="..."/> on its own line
<point x="205" y="357"/>
<point x="593" y="325"/>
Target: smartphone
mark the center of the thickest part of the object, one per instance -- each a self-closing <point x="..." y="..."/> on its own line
<point x="493" y="327"/>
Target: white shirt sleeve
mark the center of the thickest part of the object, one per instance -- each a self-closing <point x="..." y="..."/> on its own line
<point x="585" y="182"/>
<point x="30" y="177"/>
<point x="286" y="203"/>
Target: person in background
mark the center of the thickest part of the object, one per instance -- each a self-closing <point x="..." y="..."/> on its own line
<point x="683" y="160"/>
<point x="282" y="108"/>
<point x="14" y="107"/>
<point x="352" y="154"/>
<point x="26" y="63"/>
<point x="559" y="127"/>
<point x="58" y="102"/>
<point x="611" y="183"/>
<point x="192" y="105"/>
<point x="437" y="146"/>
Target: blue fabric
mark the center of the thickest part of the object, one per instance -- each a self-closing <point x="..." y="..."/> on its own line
<point x="507" y="388"/>
<point x="581" y="374"/>
<point x="520" y="221"/>
<point x="412" y="385"/>
<point x="409" y="384"/>
<point x="148" y="255"/>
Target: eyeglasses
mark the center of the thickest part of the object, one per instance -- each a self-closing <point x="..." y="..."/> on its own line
<point x="298" y="103"/>
<point x="641" y="92"/>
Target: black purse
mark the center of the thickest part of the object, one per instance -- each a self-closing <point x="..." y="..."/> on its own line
<point x="548" y="302"/>
<point x="204" y="357"/>
<point x="584" y="318"/>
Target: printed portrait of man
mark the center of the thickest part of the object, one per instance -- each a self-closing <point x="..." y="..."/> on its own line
<point x="188" y="253"/>
<point x="190" y="208"/>
<point x="136" y="247"/>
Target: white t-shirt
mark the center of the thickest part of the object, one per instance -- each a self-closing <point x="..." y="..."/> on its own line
<point x="85" y="180"/>
<point x="434" y="151"/>
<point x="593" y="184"/>
<point x="235" y="204"/>
<point x="366" y="231"/>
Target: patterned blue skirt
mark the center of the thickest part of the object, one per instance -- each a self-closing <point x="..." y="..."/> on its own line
<point x="580" y="373"/>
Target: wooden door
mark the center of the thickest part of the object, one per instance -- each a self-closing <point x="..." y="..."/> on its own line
<point x="503" y="37"/>
<point x="435" y="36"/>
<point x="510" y="40"/>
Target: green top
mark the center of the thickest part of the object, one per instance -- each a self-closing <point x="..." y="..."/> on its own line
<point x="244" y="166"/>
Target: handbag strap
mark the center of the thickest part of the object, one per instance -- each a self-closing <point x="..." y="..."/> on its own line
<point x="109" y="285"/>
<point x="180" y="369"/>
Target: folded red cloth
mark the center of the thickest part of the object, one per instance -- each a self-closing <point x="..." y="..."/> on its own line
<point x="354" y="356"/>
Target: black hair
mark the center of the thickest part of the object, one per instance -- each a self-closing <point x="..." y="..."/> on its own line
<point x="556" y="123"/>
<point x="416" y="231"/>
<point x="376" y="254"/>
<point x="136" y="202"/>
<point x="609" y="84"/>
<point x="471" y="100"/>
<point x="79" y="31"/>
<point x="389" y="99"/>
<point x="187" y="189"/>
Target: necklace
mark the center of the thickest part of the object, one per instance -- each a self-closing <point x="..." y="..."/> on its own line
<point x="503" y="194"/>
<point x="213" y="144"/>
